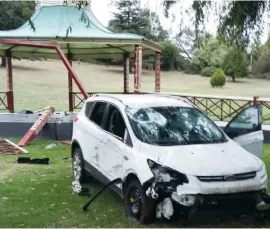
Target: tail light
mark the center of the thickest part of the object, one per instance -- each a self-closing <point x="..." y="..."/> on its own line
<point x="75" y="119"/>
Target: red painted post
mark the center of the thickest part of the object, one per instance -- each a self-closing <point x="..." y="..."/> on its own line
<point x="70" y="90"/>
<point x="137" y="68"/>
<point x="36" y="128"/>
<point x="126" y="73"/>
<point x="157" y="72"/>
<point x="9" y="77"/>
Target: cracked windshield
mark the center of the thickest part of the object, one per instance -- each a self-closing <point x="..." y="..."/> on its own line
<point x="170" y="126"/>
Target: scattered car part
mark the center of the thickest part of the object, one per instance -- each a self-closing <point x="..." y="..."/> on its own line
<point x="36" y="128"/>
<point x="116" y="181"/>
<point x="28" y="160"/>
<point x="65" y="143"/>
<point x="25" y="112"/>
<point x="50" y="146"/>
<point x="9" y="148"/>
<point x="79" y="189"/>
<point x="165" y="209"/>
<point x="76" y="186"/>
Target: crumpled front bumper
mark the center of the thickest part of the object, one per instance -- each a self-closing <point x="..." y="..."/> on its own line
<point x="198" y="192"/>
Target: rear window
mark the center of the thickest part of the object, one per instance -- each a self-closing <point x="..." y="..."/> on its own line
<point x="88" y="108"/>
<point x="98" y="112"/>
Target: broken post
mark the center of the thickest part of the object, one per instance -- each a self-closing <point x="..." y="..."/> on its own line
<point x="37" y="127"/>
<point x="10" y="97"/>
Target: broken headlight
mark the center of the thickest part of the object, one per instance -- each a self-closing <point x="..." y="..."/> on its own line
<point x="165" y="174"/>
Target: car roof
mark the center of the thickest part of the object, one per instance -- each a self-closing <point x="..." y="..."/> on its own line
<point x="144" y="100"/>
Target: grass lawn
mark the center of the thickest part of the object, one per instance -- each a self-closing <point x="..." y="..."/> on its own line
<point x="41" y="83"/>
<point x="41" y="196"/>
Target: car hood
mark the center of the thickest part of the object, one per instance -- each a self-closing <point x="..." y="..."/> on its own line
<point x="207" y="159"/>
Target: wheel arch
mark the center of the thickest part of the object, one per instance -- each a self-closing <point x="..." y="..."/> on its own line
<point x="130" y="177"/>
<point x="75" y="144"/>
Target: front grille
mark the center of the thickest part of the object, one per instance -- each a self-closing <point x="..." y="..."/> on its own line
<point x="234" y="177"/>
<point x="240" y="200"/>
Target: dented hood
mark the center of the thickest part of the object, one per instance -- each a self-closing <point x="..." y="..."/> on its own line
<point x="208" y="159"/>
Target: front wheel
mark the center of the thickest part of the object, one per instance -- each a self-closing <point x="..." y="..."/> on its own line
<point x="138" y="206"/>
<point x="77" y="166"/>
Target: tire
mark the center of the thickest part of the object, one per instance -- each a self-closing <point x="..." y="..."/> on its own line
<point x="138" y="206"/>
<point x="78" y="166"/>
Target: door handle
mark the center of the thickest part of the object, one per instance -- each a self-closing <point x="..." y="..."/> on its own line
<point x="125" y="157"/>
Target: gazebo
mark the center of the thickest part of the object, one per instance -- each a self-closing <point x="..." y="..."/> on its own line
<point x="79" y="35"/>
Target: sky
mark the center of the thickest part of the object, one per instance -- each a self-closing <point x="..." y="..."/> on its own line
<point x="104" y="12"/>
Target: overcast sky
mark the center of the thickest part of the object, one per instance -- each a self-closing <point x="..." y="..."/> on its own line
<point x="104" y="12"/>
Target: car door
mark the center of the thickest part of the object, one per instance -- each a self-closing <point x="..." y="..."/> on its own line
<point x="93" y="133"/>
<point x="111" y="152"/>
<point x="246" y="129"/>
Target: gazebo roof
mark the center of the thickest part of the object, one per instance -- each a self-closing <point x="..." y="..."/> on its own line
<point x="87" y="37"/>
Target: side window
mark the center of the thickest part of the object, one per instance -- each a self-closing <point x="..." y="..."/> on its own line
<point x="115" y="123"/>
<point x="248" y="119"/>
<point x="88" y="108"/>
<point x="98" y="112"/>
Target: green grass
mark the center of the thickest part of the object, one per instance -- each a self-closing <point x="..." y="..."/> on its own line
<point x="41" y="196"/>
<point x="41" y="83"/>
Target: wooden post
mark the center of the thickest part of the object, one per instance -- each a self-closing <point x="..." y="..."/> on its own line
<point x="126" y="73"/>
<point x="70" y="89"/>
<point x="10" y="97"/>
<point x="157" y="72"/>
<point x="255" y="100"/>
<point x="137" y="68"/>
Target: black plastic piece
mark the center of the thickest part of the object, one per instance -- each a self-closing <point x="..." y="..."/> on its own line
<point x="28" y="160"/>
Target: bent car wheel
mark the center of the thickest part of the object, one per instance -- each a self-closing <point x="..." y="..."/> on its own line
<point x="77" y="166"/>
<point x="138" y="206"/>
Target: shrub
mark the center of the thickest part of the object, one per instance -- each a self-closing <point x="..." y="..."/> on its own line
<point x="208" y="71"/>
<point x="218" y="79"/>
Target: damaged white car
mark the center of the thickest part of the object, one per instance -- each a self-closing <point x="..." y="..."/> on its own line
<point x="170" y="156"/>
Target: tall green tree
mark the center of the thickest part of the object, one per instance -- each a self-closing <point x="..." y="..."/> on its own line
<point x="13" y="14"/>
<point x="131" y="18"/>
<point x="236" y="63"/>
<point x="239" y="21"/>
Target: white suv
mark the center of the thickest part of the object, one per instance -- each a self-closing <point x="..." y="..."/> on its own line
<point x="168" y="154"/>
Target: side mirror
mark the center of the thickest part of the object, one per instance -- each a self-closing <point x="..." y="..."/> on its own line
<point x="231" y="133"/>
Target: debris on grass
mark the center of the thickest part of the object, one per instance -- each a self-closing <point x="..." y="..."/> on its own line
<point x="65" y="143"/>
<point x="37" y="127"/>
<point x="28" y="160"/>
<point x="9" y="148"/>
<point x="50" y="146"/>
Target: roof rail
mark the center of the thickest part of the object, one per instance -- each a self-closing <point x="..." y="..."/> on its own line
<point x="173" y="97"/>
<point x="108" y="96"/>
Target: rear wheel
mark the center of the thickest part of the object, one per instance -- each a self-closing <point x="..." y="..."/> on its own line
<point x="77" y="165"/>
<point x="138" y="206"/>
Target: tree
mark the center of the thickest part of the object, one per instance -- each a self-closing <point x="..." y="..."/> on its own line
<point x="211" y="53"/>
<point x="186" y="40"/>
<point x="13" y="14"/>
<point x="169" y="55"/>
<point x="239" y="21"/>
<point x="131" y="18"/>
<point x="236" y="63"/>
